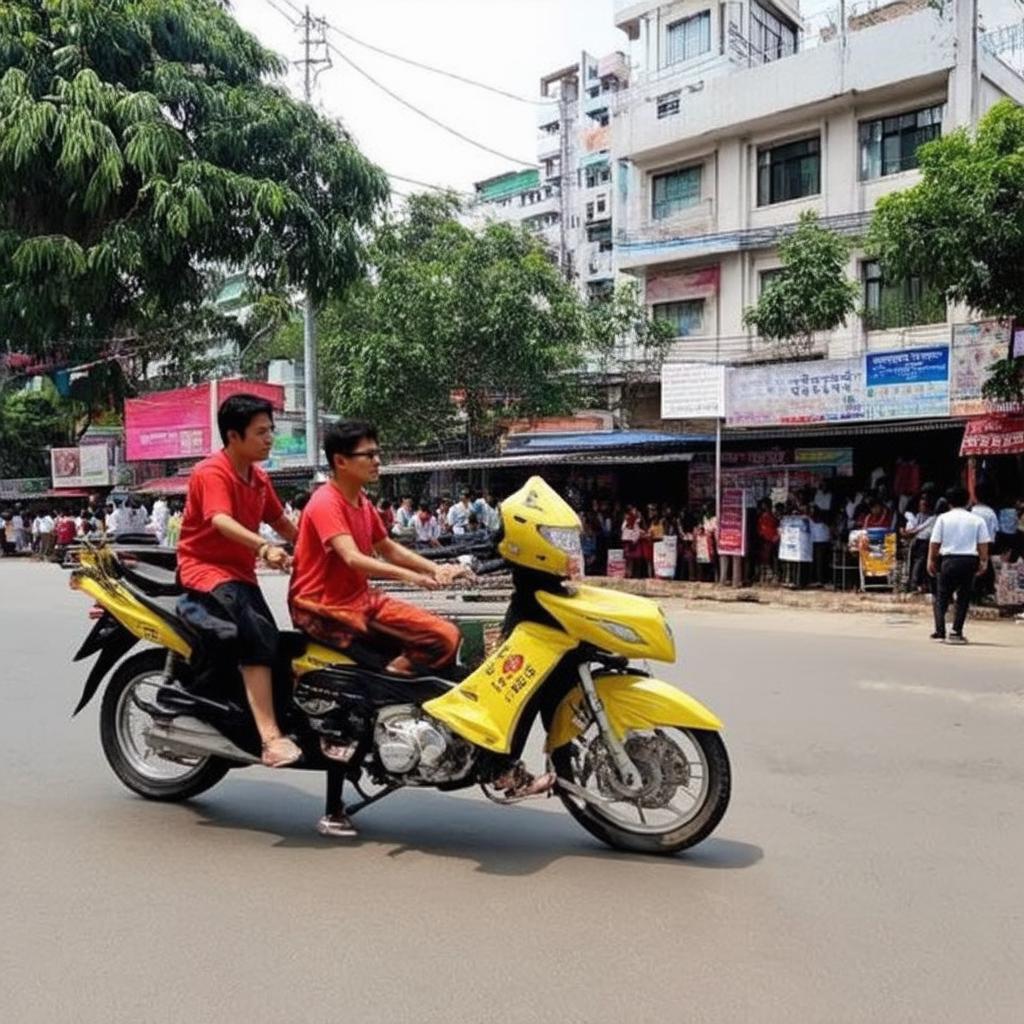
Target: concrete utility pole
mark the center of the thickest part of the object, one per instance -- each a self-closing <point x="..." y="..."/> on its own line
<point x="314" y="35"/>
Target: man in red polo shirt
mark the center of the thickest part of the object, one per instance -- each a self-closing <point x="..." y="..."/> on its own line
<point x="229" y="496"/>
<point x="342" y="544"/>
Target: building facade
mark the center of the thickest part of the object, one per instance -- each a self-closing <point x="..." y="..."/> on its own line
<point x="742" y="116"/>
<point x="569" y="200"/>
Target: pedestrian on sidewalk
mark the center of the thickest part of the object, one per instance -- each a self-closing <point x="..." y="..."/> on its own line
<point x="961" y="539"/>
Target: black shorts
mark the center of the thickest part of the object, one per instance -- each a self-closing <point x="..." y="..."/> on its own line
<point x="245" y="605"/>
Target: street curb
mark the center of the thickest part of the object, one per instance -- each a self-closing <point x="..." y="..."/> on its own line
<point x="815" y="600"/>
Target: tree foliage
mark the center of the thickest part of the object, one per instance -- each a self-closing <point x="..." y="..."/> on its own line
<point x="454" y="326"/>
<point x="962" y="225"/>
<point x="143" y="146"/>
<point x="626" y="347"/>
<point x="30" y="423"/>
<point x="811" y="294"/>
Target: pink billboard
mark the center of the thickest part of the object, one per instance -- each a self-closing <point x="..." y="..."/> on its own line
<point x="182" y="424"/>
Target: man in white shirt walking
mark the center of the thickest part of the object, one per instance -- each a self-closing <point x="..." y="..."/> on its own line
<point x="962" y="541"/>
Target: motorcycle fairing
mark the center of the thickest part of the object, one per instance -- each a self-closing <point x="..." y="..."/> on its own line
<point x="113" y="642"/>
<point x="139" y="619"/>
<point x="586" y="612"/>
<point x="485" y="707"/>
<point x="631" y="702"/>
<point x="318" y="656"/>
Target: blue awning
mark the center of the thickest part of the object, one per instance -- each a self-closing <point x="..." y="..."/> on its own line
<point x="609" y="440"/>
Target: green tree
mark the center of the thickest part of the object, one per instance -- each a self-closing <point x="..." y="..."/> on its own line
<point x="811" y="294"/>
<point x="456" y="332"/>
<point x="144" y="146"/>
<point x="626" y="349"/>
<point x="962" y="225"/>
<point x="31" y="422"/>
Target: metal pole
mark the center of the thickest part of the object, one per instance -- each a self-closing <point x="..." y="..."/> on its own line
<point x="718" y="466"/>
<point x="309" y="318"/>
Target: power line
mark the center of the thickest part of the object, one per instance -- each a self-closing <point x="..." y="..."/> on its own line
<point x="429" y="117"/>
<point x="284" y="14"/>
<point x="429" y="67"/>
<point x="400" y="99"/>
<point x="427" y="184"/>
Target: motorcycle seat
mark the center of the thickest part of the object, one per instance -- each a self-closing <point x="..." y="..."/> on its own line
<point x="165" y="607"/>
<point x="152" y="579"/>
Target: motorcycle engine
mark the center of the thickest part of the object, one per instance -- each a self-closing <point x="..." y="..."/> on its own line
<point x="418" y="748"/>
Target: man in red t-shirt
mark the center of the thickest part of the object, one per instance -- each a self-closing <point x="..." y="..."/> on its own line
<point x="229" y="496"/>
<point x="342" y="544"/>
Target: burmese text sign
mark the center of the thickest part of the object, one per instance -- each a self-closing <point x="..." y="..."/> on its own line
<point x="908" y="384"/>
<point x="825" y="391"/>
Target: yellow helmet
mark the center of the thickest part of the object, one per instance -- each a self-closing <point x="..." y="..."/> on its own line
<point x="540" y="530"/>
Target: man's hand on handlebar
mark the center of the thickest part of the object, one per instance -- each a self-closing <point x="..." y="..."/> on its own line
<point x="277" y="558"/>
<point x="425" y="580"/>
<point x="446" y="575"/>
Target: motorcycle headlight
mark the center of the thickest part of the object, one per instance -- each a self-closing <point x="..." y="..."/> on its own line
<point x="621" y="632"/>
<point x="566" y="539"/>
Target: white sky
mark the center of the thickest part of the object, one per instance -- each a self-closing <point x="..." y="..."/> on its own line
<point x="508" y="43"/>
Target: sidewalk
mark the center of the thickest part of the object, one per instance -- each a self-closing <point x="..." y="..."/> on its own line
<point x="779" y="597"/>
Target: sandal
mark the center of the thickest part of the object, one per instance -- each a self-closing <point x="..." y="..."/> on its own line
<point x="517" y="782"/>
<point x="280" y="752"/>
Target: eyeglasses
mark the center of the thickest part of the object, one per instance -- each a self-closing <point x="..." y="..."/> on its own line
<point x="373" y="453"/>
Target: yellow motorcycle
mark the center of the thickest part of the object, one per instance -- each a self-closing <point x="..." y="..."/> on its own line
<point x="639" y="764"/>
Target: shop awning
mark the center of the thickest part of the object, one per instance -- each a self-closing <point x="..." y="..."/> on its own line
<point x="611" y="440"/>
<point x="63" y="492"/>
<point x="836" y="431"/>
<point x="163" y="485"/>
<point x="994" y="435"/>
<point x="538" y="459"/>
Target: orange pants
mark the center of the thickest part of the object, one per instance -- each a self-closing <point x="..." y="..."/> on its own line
<point x="423" y="639"/>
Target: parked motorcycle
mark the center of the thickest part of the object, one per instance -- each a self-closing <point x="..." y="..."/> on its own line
<point x="639" y="764"/>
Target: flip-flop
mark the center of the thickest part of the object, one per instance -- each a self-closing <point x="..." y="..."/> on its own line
<point x="337" y="826"/>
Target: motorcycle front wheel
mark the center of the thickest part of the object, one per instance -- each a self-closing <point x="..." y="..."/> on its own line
<point x="122" y="733"/>
<point x="684" y="792"/>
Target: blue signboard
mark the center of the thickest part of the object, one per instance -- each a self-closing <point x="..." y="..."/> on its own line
<point x="907" y="384"/>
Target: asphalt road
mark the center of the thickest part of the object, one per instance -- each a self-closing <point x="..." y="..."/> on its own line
<point x="868" y="869"/>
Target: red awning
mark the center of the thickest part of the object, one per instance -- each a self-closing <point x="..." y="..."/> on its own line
<point x="994" y="435"/>
<point x="61" y="492"/>
<point x="163" y="485"/>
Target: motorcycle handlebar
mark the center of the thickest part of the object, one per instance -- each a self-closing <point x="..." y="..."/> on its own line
<point x="489" y="566"/>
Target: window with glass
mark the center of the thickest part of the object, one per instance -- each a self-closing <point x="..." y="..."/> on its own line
<point x="770" y="36"/>
<point x="769" y="277"/>
<point x="688" y="38"/>
<point x="668" y="104"/>
<point x="686" y="317"/>
<point x="600" y="174"/>
<point x="888" y="305"/>
<point x="889" y="145"/>
<point x="675" y="192"/>
<point x="789" y="171"/>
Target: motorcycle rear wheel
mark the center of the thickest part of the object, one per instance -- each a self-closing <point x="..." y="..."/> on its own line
<point x="616" y="831"/>
<point x="148" y="774"/>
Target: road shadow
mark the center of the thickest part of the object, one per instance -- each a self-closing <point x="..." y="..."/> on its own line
<point x="513" y="841"/>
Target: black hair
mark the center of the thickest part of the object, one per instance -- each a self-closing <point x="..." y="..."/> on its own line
<point x="344" y="436"/>
<point x="238" y="411"/>
<point x="957" y="496"/>
<point x="424" y="506"/>
<point x="985" y="494"/>
<point x="301" y="500"/>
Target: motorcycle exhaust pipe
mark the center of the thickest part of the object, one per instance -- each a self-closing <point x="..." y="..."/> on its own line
<point x="191" y="738"/>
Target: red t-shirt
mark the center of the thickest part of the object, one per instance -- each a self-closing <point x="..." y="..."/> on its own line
<point x="206" y="558"/>
<point x="318" y="574"/>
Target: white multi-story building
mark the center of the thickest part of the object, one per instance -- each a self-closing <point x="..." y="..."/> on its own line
<point x="742" y="116"/>
<point x="569" y="199"/>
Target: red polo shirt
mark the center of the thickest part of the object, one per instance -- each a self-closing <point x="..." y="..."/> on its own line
<point x="318" y="574"/>
<point x="206" y="558"/>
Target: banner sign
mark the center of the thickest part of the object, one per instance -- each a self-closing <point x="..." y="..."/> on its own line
<point x="975" y="348"/>
<point x="994" y="435"/>
<point x="616" y="563"/>
<point x="840" y="459"/>
<point x="732" y="523"/>
<point x="907" y="384"/>
<point x="181" y="424"/>
<point x="823" y="391"/>
<point x="795" y="539"/>
<point x="666" y="552"/>
<point x="692" y="391"/>
<point x="85" y="466"/>
<point x="1009" y="582"/>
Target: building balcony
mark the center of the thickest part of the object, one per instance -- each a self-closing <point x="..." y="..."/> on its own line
<point x="596" y="265"/>
<point x="684" y="240"/>
<point x="547" y="113"/>
<point x="728" y="94"/>
<point x="740" y="349"/>
<point x="549" y="144"/>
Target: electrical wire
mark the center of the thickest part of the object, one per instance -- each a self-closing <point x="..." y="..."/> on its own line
<point x="423" y="66"/>
<point x="405" y="103"/>
<point x="284" y="14"/>
<point x="427" y="184"/>
<point x="429" y="117"/>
